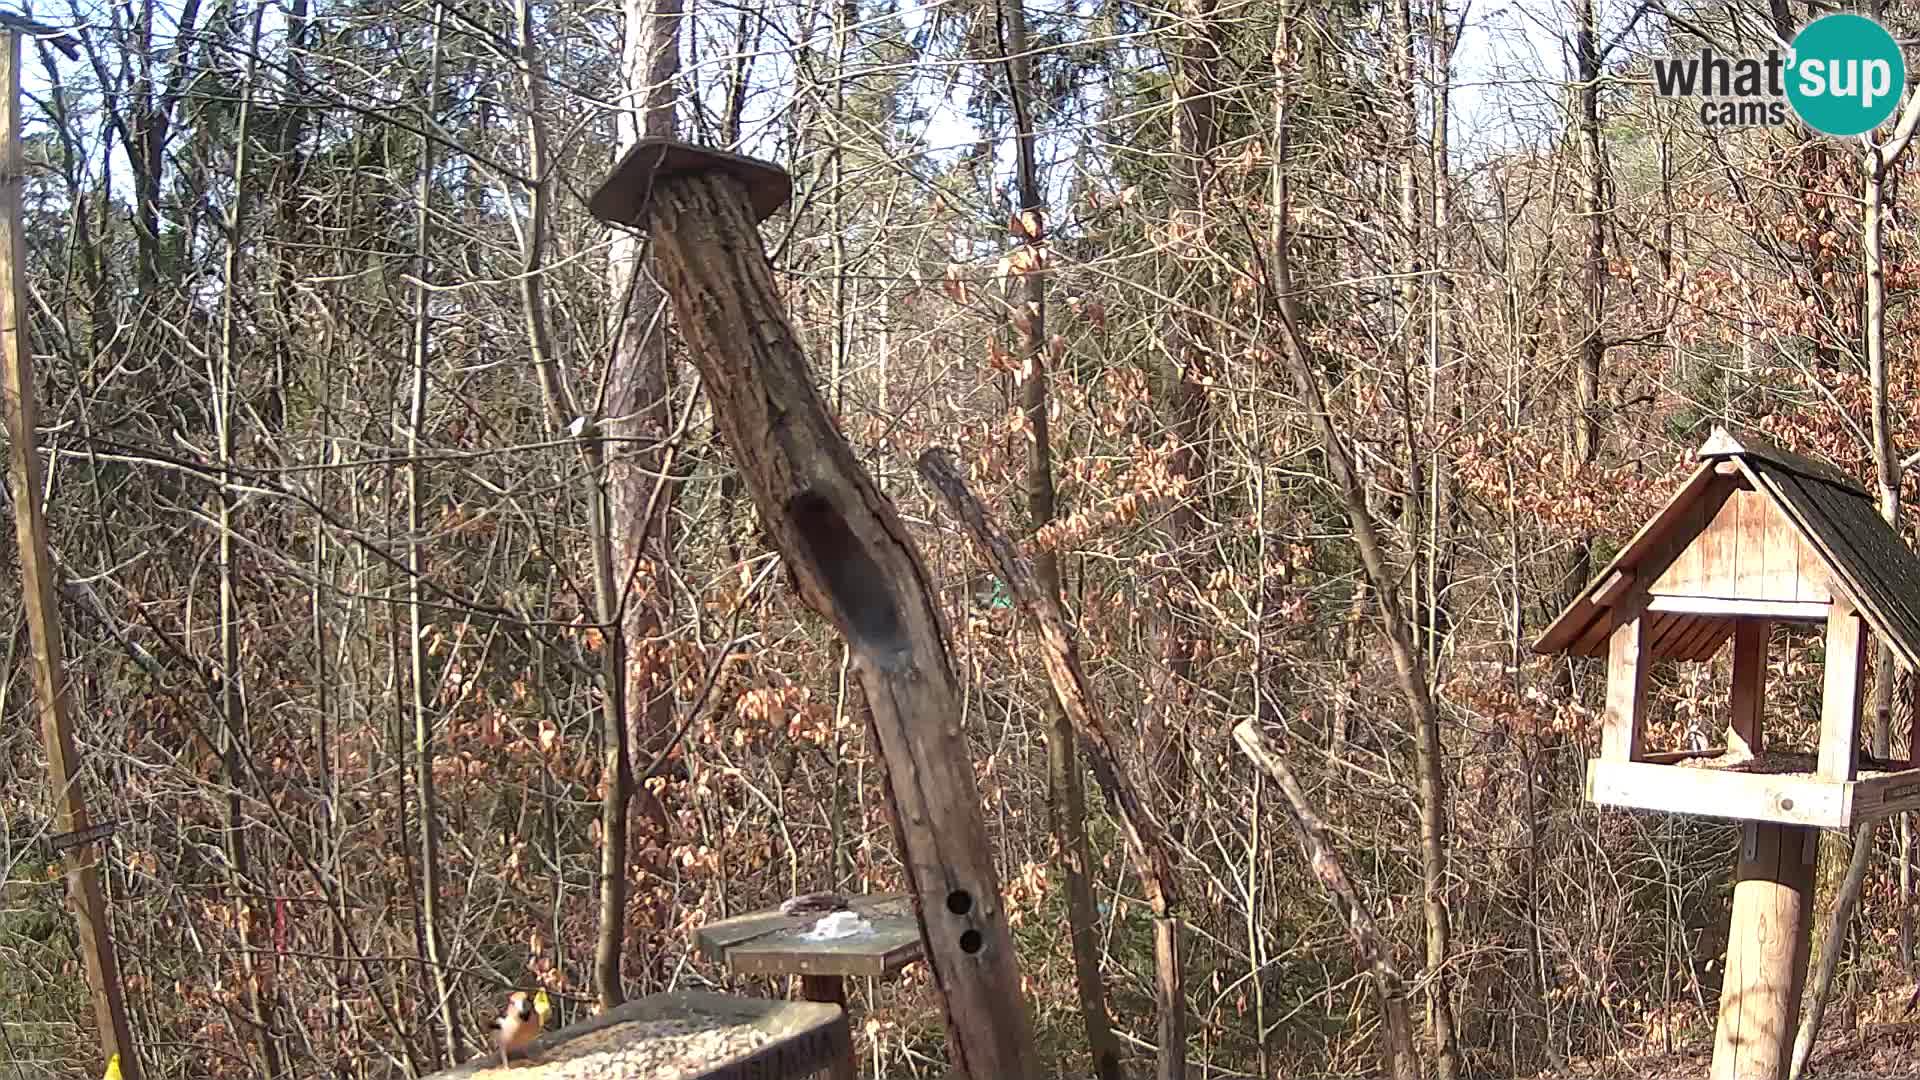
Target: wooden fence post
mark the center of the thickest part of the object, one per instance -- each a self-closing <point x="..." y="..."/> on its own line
<point x="852" y="561"/>
<point x="36" y="589"/>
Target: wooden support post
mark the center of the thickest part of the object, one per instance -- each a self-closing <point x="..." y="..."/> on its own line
<point x="36" y="588"/>
<point x="1913" y="721"/>
<point x="1623" y="727"/>
<point x="851" y="558"/>
<point x="832" y="990"/>
<point x="1767" y="946"/>
<point x="1845" y="671"/>
<point x="1745" y="734"/>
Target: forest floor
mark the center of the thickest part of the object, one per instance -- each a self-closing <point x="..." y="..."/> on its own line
<point x="1879" y="1050"/>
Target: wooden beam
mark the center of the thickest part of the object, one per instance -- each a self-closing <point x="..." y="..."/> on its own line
<point x="1913" y="720"/>
<point x="1882" y="796"/>
<point x="1622" y="728"/>
<point x="1767" y="947"/>
<point x="1723" y="607"/>
<point x="1845" y="666"/>
<point x="1791" y="799"/>
<point x="1745" y="733"/>
<point x="36" y="586"/>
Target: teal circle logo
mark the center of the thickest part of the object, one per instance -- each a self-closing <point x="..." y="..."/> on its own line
<point x="1845" y="74"/>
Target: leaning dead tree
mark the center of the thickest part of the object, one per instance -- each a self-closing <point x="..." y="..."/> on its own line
<point x="852" y="561"/>
<point x="1145" y="838"/>
<point x="1398" y="1055"/>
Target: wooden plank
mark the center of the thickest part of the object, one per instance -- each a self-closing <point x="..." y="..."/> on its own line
<point x="1767" y="947"/>
<point x="1662" y="632"/>
<point x="1883" y="796"/>
<point x="1750" y="523"/>
<point x="1697" y="631"/>
<point x="1913" y="720"/>
<point x="1670" y="757"/>
<point x="1719" y="544"/>
<point x="1745" y="731"/>
<point x="1792" y="799"/>
<point x="85" y="897"/>
<point x="1711" y="644"/>
<point x="888" y="949"/>
<point x="1622" y="728"/>
<point x="1682" y="575"/>
<point x="1845" y="668"/>
<point x="1734" y="608"/>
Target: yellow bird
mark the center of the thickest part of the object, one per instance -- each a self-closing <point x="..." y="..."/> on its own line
<point x="522" y="1022"/>
<point x="113" y="1068"/>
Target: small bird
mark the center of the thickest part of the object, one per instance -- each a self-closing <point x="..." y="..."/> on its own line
<point x="522" y="1022"/>
<point x="113" y="1068"/>
<point x="823" y="903"/>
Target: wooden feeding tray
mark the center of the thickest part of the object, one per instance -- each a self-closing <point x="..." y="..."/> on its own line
<point x="771" y="943"/>
<point x="689" y="1035"/>
<point x="1774" y="785"/>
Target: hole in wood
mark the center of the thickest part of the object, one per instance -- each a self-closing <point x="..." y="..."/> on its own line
<point x="858" y="586"/>
<point x="959" y="901"/>
<point x="970" y="942"/>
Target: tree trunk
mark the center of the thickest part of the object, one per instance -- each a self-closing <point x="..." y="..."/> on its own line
<point x="853" y="561"/>
<point x="1066" y="799"/>
<point x="1410" y="669"/>
<point x="1041" y="605"/>
<point x="255" y="969"/>
<point x="423" y="720"/>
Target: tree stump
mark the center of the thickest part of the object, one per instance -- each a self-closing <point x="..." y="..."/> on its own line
<point x="852" y="561"/>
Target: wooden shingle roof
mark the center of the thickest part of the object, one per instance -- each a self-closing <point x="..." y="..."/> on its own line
<point x="1862" y="558"/>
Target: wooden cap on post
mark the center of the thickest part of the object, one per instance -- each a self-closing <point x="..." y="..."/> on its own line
<point x="622" y="198"/>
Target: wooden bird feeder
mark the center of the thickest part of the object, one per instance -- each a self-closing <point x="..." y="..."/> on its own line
<point x="1756" y="536"/>
<point x="689" y="1035"/>
<point x="772" y="942"/>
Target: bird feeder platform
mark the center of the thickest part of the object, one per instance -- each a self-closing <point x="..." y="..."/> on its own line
<point x="772" y="942"/>
<point x="689" y="1035"/>
<point x="1757" y="536"/>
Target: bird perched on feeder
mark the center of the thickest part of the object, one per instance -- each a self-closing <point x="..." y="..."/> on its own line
<point x="814" y="903"/>
<point x="522" y="1022"/>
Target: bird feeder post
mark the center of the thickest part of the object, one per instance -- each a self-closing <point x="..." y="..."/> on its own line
<point x="851" y="558"/>
<point x="36" y="581"/>
<point x="1768" y="942"/>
